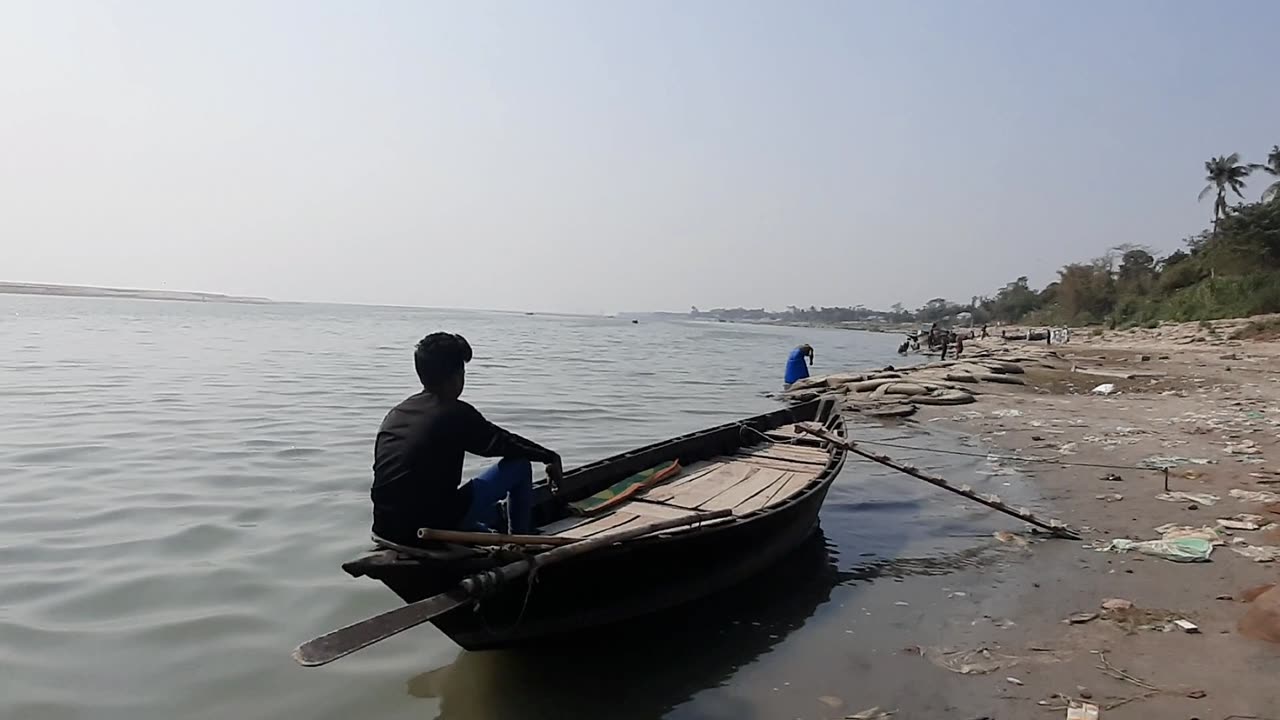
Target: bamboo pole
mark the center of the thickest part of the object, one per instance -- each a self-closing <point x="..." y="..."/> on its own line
<point x="1055" y="527"/>
<point x="463" y="537"/>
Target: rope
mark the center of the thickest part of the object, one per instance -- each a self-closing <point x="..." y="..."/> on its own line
<point x="1013" y="458"/>
<point x="524" y="605"/>
<point x="988" y="456"/>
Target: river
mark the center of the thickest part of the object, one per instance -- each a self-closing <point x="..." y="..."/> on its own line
<point x="181" y="482"/>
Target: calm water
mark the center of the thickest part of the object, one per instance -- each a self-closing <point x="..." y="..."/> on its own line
<point x="182" y="481"/>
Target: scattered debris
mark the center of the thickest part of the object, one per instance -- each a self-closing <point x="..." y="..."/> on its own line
<point x="1243" y="521"/>
<point x="1258" y="553"/>
<point x="1008" y="537"/>
<point x="1116" y="604"/>
<point x="1081" y="618"/>
<point x="902" y="603"/>
<point x="874" y="713"/>
<point x="1244" y="447"/>
<point x="1172" y="531"/>
<point x="1182" y="549"/>
<point x="1083" y="692"/>
<point x="1255" y="496"/>
<point x="1082" y="711"/>
<point x="1014" y="680"/>
<point x="1112" y="477"/>
<point x="1104" y="389"/>
<point x="1197" y="694"/>
<point x="981" y="660"/>
<point x="1179" y="496"/>
<point x="1162" y="462"/>
<point x="1109" y="497"/>
<point x="1067" y="449"/>
<point x="1187" y="626"/>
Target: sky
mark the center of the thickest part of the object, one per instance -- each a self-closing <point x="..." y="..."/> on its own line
<point x="614" y="156"/>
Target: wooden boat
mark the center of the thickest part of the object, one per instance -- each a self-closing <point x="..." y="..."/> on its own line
<point x="771" y="477"/>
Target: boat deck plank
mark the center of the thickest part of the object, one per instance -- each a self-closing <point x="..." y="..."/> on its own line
<point x="742" y="492"/>
<point x="603" y="523"/>
<point x="710" y="485"/>
<point x="789" y="453"/>
<point x="776" y="464"/>
<point x="766" y="496"/>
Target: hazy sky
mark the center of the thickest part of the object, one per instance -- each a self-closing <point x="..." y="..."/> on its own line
<point x="601" y="156"/>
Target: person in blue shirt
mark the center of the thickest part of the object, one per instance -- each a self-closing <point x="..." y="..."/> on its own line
<point x="796" y="367"/>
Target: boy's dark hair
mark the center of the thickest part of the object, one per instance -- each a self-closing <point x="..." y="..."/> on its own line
<point x="439" y="356"/>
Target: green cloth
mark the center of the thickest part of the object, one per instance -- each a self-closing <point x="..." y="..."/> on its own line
<point x="625" y="488"/>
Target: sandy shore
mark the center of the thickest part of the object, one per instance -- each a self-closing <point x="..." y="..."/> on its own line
<point x="1202" y="400"/>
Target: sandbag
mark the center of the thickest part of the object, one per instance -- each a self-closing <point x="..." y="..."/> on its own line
<point x="807" y="384"/>
<point x="1006" y="379"/>
<point x="869" y="385"/>
<point x="945" y="397"/>
<point x="902" y="388"/>
<point x="839" y="379"/>
<point x="1003" y="367"/>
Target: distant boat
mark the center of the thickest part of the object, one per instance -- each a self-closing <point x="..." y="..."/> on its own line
<point x="635" y="322"/>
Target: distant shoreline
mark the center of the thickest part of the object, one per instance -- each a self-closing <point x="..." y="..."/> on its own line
<point x="12" y="288"/>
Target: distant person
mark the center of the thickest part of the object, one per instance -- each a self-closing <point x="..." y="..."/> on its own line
<point x="796" y="367"/>
<point x="959" y="345"/>
<point x="984" y="331"/>
<point x="417" y="457"/>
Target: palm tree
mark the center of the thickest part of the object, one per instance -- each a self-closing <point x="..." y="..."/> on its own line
<point x="1272" y="167"/>
<point x="1223" y="173"/>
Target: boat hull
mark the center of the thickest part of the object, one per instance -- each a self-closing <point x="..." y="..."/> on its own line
<point x="589" y="592"/>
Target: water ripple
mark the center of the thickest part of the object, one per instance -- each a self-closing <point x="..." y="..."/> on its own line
<point x="178" y="501"/>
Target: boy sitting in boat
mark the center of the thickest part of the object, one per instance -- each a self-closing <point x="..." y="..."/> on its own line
<point x="417" y="457"/>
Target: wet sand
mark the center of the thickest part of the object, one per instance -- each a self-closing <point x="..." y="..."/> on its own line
<point x="1193" y="401"/>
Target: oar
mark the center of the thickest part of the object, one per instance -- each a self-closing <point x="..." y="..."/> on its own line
<point x="344" y="641"/>
<point x="1055" y="527"/>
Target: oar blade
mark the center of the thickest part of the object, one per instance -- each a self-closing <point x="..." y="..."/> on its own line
<point x="344" y="641"/>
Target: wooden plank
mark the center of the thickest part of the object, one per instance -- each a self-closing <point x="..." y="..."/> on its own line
<point x="707" y="487"/>
<point x="743" y="491"/>
<point x="791" y="487"/>
<point x="563" y="524"/>
<point x="762" y="498"/>
<point x="786" y="465"/>
<point x="666" y="491"/>
<point x="654" y="510"/>
<point x="613" y="520"/>
<point x="790" y="454"/>
<point x="699" y="469"/>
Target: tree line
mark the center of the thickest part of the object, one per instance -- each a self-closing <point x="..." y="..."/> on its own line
<point x="1231" y="269"/>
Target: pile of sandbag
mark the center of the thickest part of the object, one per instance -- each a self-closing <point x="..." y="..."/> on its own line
<point x="896" y="393"/>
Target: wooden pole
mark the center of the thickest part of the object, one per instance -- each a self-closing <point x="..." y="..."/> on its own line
<point x="344" y="641"/>
<point x="1055" y="527"/>
<point x="462" y="537"/>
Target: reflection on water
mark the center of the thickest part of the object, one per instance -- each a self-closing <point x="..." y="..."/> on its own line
<point x="644" y="668"/>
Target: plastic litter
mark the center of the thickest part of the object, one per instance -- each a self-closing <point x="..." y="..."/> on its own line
<point x="1258" y="553"/>
<point x="1161" y="462"/>
<point x="874" y="713"/>
<point x="1082" y="711"/>
<point x="1104" y="389"/>
<point x="1183" y="549"/>
<point x="1243" y="521"/>
<point x="1255" y="496"/>
<point x="1173" y="531"/>
<point x="1179" y="496"/>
